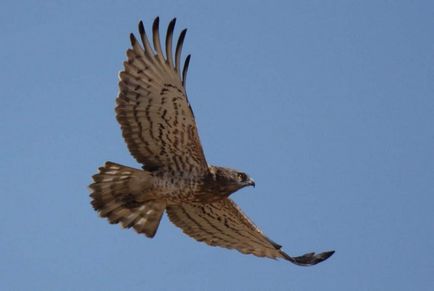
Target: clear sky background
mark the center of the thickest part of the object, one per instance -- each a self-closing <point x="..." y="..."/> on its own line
<point x="328" y="105"/>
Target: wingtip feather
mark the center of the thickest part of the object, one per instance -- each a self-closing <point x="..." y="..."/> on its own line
<point x="141" y="27"/>
<point x="133" y="39"/>
<point x="169" y="37"/>
<point x="308" y="259"/>
<point x="178" y="49"/>
<point x="156" y="24"/>
<point x="172" y="22"/>
<point x="185" y="70"/>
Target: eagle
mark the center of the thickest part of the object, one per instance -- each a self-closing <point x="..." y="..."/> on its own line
<point x="159" y="128"/>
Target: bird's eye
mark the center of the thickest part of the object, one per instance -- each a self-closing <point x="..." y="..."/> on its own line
<point x="242" y="177"/>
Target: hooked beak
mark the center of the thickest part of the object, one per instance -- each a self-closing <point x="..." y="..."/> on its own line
<point x="251" y="182"/>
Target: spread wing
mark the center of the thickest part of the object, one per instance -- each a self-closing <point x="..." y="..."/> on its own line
<point x="156" y="119"/>
<point x="223" y="224"/>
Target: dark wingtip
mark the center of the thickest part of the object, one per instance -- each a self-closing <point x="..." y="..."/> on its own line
<point x="187" y="60"/>
<point x="325" y="255"/>
<point x="133" y="39"/>
<point x="185" y="69"/>
<point x="309" y="259"/>
<point x="274" y="244"/>
<point x="141" y="28"/>
<point x="156" y="23"/>
<point x="171" y="27"/>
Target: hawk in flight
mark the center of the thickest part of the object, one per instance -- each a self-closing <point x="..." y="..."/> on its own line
<point x="159" y="128"/>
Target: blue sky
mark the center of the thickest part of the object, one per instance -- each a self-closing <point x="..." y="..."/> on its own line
<point x="328" y="105"/>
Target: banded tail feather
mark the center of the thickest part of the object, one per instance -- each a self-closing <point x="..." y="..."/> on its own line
<point x="124" y="195"/>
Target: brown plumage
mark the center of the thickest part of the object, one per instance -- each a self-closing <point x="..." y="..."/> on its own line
<point x="158" y="126"/>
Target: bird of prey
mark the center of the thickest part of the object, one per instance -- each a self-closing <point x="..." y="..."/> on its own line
<point x="159" y="127"/>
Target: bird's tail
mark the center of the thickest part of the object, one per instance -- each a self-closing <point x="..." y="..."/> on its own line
<point x="124" y="195"/>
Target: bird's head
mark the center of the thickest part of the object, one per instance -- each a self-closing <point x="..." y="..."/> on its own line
<point x="227" y="181"/>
